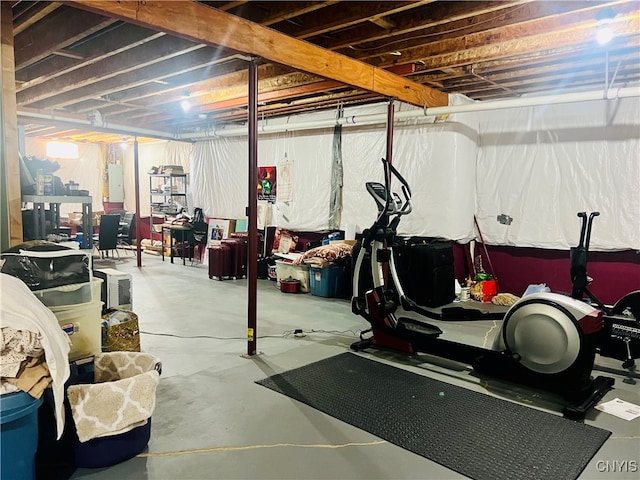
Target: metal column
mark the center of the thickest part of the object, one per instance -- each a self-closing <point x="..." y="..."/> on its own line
<point x="252" y="261"/>
<point x="136" y="174"/>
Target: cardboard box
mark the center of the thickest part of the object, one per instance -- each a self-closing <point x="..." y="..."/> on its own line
<point x="348" y="242"/>
<point x="75" y="218"/>
<point x="96" y="218"/>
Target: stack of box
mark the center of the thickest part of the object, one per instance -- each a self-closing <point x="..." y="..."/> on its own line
<point x="76" y="305"/>
<point x="78" y="308"/>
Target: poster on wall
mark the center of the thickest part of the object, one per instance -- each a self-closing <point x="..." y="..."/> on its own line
<point x="267" y="184"/>
<point x="219" y="229"/>
<point x="285" y="181"/>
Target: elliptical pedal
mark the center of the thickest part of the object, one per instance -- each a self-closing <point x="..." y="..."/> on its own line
<point x="412" y="326"/>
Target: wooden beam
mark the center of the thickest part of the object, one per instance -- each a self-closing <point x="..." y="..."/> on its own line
<point x="42" y="10"/>
<point x="68" y="54"/>
<point x="232" y="87"/>
<point x="299" y="8"/>
<point x="115" y="67"/>
<point x="115" y="41"/>
<point x="232" y="93"/>
<point x="351" y="13"/>
<point x="200" y="23"/>
<point x="59" y="30"/>
<point x="10" y="191"/>
<point x="521" y="38"/>
<point x="411" y="23"/>
<point x="231" y="5"/>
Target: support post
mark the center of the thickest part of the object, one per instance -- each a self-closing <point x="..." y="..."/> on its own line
<point x="136" y="168"/>
<point x="10" y="191"/>
<point x="390" y="115"/>
<point x="252" y="261"/>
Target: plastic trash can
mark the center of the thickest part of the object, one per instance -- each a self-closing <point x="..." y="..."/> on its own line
<point x="19" y="435"/>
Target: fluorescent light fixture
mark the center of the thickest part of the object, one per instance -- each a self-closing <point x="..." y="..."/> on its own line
<point x="66" y="150"/>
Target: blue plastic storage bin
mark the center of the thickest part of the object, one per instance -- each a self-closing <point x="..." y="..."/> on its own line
<point x="327" y="281"/>
<point x="19" y="437"/>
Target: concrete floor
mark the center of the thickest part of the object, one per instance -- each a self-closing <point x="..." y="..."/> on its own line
<point x="213" y="421"/>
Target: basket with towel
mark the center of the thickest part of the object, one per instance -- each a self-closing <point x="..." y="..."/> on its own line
<point x="113" y="415"/>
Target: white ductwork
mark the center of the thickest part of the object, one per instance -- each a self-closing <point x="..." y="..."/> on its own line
<point x="90" y="125"/>
<point x="374" y="119"/>
<point x="353" y="120"/>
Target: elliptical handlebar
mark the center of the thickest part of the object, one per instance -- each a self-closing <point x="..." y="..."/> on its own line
<point x="588" y="238"/>
<point x="406" y="190"/>
<point x="393" y="205"/>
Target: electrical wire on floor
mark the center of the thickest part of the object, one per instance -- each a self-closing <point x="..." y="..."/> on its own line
<point x="205" y="336"/>
<point x="285" y="334"/>
<point x="298" y="331"/>
<point x="256" y="447"/>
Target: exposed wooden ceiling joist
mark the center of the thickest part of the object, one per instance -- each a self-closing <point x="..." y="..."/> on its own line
<point x="113" y="68"/>
<point x="41" y="40"/>
<point x="213" y="27"/>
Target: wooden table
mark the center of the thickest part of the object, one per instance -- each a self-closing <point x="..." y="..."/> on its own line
<point x="170" y="228"/>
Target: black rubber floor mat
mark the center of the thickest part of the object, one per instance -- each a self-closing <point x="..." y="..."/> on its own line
<point x="477" y="435"/>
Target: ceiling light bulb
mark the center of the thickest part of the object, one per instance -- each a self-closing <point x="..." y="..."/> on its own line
<point x="604" y="17"/>
<point x="186" y="105"/>
<point x="604" y="35"/>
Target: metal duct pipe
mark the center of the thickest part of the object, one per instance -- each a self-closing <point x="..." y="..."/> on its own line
<point x="79" y="123"/>
<point x="371" y="119"/>
<point x="380" y="118"/>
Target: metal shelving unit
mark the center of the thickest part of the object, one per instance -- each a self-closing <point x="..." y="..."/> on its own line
<point x="167" y="196"/>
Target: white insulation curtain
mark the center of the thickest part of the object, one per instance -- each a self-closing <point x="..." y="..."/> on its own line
<point x="220" y="170"/>
<point x="438" y="162"/>
<point x="542" y="165"/>
<point x="85" y="171"/>
<point x="537" y="165"/>
<point x="150" y="155"/>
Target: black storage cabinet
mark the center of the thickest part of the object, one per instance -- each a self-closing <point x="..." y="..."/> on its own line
<point x="426" y="270"/>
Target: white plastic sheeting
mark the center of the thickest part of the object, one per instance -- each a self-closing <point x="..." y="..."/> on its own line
<point x="85" y="171"/>
<point x="542" y="165"/>
<point x="539" y="165"/>
<point x="150" y="155"/>
<point x="219" y="176"/>
<point x="436" y="159"/>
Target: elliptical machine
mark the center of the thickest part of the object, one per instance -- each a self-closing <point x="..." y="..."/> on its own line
<point x="622" y="321"/>
<point x="546" y="340"/>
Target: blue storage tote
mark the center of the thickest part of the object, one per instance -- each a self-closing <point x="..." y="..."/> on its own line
<point x="19" y="437"/>
<point x="327" y="281"/>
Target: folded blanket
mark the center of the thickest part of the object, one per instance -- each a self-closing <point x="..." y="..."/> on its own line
<point x="33" y="377"/>
<point x="16" y="346"/>
<point x="122" y="398"/>
<point x="328" y="253"/>
<point x="21" y="310"/>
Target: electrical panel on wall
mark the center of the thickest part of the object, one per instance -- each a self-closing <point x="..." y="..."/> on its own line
<point x="116" y="184"/>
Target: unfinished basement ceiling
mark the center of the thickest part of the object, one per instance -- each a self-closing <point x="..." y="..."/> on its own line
<point x="72" y="63"/>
